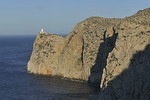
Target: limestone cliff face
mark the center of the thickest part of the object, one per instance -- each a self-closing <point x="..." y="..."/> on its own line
<point x="45" y="54"/>
<point x="126" y="75"/>
<point x="98" y="50"/>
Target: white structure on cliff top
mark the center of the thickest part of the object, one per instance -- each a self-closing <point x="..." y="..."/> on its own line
<point x="42" y="30"/>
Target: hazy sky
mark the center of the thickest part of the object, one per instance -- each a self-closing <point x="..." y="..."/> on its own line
<point x="59" y="16"/>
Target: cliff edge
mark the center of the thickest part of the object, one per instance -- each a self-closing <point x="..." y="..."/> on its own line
<point x="99" y="50"/>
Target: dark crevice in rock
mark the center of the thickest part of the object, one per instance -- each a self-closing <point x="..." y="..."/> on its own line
<point x="101" y="61"/>
<point x="70" y="38"/>
<point x="82" y="54"/>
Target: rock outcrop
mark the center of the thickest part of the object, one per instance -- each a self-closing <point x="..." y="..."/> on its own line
<point x="111" y="53"/>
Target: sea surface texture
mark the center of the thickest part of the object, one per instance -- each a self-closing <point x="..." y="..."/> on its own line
<point x="17" y="84"/>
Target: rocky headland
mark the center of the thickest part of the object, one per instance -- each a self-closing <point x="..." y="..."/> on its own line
<point x="111" y="53"/>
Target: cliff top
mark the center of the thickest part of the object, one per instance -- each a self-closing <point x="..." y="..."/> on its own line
<point x="142" y="17"/>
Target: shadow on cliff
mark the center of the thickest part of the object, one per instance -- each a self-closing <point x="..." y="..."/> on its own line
<point x="101" y="60"/>
<point x="134" y="82"/>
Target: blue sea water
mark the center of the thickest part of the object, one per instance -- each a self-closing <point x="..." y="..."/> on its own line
<point x="17" y="84"/>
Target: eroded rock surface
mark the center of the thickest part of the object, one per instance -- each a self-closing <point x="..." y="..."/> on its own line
<point x="110" y="53"/>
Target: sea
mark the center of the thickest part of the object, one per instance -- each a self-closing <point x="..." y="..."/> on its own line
<point x="17" y="84"/>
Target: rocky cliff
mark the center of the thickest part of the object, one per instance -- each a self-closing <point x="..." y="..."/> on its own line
<point x="111" y="53"/>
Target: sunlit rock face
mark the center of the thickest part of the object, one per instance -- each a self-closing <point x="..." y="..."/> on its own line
<point x="109" y="53"/>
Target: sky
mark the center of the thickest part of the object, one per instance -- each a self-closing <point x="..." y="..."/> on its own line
<point x="27" y="17"/>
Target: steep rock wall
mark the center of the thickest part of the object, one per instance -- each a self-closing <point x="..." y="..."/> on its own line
<point x="98" y="50"/>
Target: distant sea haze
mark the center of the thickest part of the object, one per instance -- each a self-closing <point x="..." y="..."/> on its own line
<point x="17" y="84"/>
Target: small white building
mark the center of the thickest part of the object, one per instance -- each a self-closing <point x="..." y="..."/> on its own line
<point x="42" y="30"/>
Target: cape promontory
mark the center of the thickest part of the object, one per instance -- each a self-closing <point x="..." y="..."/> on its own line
<point x="112" y="53"/>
